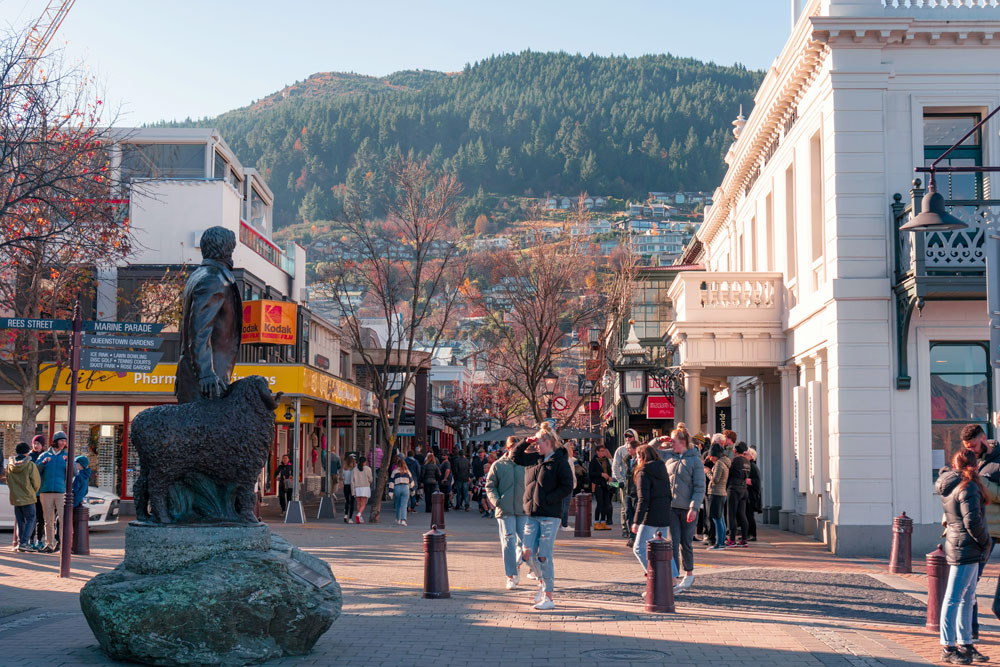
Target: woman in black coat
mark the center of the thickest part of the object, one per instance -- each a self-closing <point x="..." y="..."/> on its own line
<point x="652" y="510"/>
<point x="967" y="544"/>
<point x="754" y="501"/>
<point x="547" y="480"/>
<point x="430" y="475"/>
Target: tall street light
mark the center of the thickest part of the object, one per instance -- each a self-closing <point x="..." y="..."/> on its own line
<point x="550" y="389"/>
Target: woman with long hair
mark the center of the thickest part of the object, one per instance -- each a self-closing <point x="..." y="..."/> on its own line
<point x="349" y="502"/>
<point x="430" y="476"/>
<point x="401" y="484"/>
<point x="967" y="544"/>
<point x="547" y="480"/>
<point x="362" y="487"/>
<point x="652" y="510"/>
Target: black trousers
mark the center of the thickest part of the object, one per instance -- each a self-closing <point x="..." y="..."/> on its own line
<point x="628" y="513"/>
<point x="682" y="535"/>
<point x="284" y="496"/>
<point x="738" y="514"/>
<point x="429" y="488"/>
<point x="752" y="522"/>
<point x="602" y="503"/>
<point x="350" y="503"/>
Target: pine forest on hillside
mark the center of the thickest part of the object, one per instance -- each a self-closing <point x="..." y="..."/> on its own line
<point x="518" y="125"/>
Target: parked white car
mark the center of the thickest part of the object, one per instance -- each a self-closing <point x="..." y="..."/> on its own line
<point x="103" y="508"/>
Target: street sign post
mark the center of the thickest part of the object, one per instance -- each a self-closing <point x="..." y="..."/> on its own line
<point x="102" y="340"/>
<point x="35" y="324"/>
<point x="122" y="361"/>
<point x="135" y="328"/>
<point x="559" y="403"/>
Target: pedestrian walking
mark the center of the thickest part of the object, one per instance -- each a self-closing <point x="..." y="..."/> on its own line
<point x="652" y="511"/>
<point x="600" y="479"/>
<point x="283" y="473"/>
<point x="622" y="470"/>
<point x="736" y="493"/>
<point x="718" y="475"/>
<point x="52" y="467"/>
<point x="362" y="487"/>
<point x="430" y="475"/>
<point x="505" y="490"/>
<point x="414" y="465"/>
<point x="547" y="480"/>
<point x="401" y="484"/>
<point x="687" y="491"/>
<point x="461" y="470"/>
<point x="350" y="502"/>
<point x="967" y="544"/>
<point x="445" y="482"/>
<point x="23" y="485"/>
<point x="566" y="501"/>
<point x="755" y="502"/>
<point x="37" y="448"/>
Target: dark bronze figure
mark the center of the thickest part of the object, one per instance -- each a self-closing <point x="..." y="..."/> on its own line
<point x="212" y="324"/>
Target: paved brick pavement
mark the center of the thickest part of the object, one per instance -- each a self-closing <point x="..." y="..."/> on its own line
<point x="387" y="622"/>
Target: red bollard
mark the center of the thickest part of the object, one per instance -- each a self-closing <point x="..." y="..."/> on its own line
<point x="659" y="576"/>
<point x="937" y="584"/>
<point x="900" y="561"/>
<point x="81" y="531"/>
<point x="435" y="565"/>
<point x="437" y="509"/>
<point x="582" y="527"/>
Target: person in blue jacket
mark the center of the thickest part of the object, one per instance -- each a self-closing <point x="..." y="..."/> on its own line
<point x="52" y="466"/>
<point x="81" y="481"/>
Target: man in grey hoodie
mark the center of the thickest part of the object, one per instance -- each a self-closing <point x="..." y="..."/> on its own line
<point x="687" y="489"/>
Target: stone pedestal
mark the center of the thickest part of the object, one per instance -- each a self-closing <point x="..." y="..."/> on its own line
<point x="210" y="595"/>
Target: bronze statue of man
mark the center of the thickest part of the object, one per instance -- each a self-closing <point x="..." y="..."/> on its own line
<point x="212" y="324"/>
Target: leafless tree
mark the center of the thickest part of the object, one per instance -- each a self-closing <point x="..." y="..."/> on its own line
<point x="409" y="270"/>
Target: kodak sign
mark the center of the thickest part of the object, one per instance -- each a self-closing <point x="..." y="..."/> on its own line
<point x="269" y="322"/>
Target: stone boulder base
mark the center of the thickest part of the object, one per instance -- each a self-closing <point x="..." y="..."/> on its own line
<point x="237" y="607"/>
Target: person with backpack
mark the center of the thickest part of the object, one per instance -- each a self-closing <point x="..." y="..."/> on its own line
<point x="23" y="483"/>
<point x="967" y="544"/>
<point x="283" y="473"/>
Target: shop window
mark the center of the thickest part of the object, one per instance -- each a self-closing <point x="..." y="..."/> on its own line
<point x="163" y="161"/>
<point x="961" y="393"/>
<point x="221" y="167"/>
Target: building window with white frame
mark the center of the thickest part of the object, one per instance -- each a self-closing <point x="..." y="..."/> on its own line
<point x="961" y="393"/>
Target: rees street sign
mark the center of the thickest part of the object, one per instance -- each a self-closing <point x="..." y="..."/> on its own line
<point x="122" y="361"/>
<point x="35" y="324"/>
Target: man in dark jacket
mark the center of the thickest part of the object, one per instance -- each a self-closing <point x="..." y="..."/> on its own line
<point x="600" y="475"/>
<point x="283" y="473"/>
<point x="460" y="470"/>
<point x="736" y="492"/>
<point x="479" y="464"/>
<point x="212" y="324"/>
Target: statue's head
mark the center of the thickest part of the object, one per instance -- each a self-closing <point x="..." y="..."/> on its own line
<point x="218" y="243"/>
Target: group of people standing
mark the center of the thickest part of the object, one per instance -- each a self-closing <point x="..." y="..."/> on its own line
<point x="36" y="481"/>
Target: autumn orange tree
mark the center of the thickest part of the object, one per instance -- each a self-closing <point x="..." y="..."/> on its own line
<point x="61" y="213"/>
<point x="402" y="278"/>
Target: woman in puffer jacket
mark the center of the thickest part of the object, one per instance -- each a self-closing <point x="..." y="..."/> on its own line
<point x="967" y="544"/>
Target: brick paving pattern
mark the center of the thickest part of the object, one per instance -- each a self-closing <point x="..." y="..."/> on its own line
<point x="795" y="604"/>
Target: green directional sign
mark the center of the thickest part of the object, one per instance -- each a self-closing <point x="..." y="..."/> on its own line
<point x="35" y="324"/>
<point x="104" y="340"/>
<point x="135" y="328"/>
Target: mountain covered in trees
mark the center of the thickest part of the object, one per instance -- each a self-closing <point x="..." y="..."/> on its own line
<point x="522" y="124"/>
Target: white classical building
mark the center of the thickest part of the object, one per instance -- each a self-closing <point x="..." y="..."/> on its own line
<point x="849" y="353"/>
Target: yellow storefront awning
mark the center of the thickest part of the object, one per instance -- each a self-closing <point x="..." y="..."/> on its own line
<point x="292" y="379"/>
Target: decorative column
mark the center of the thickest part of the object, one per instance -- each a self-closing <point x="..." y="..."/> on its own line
<point x="787" y="447"/>
<point x="692" y="399"/>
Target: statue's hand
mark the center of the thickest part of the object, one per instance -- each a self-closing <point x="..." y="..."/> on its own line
<point x="212" y="386"/>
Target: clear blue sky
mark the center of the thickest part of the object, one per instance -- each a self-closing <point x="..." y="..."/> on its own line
<point x="177" y="58"/>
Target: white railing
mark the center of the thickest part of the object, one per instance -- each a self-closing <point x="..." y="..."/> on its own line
<point x="941" y="4"/>
<point x="728" y="297"/>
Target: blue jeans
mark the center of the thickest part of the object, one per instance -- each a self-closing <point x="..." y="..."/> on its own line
<point x="716" y="512"/>
<point x="24" y="516"/>
<point x="401" y="499"/>
<point x="645" y="534"/>
<point x="511" y="540"/>
<point x="539" y="539"/>
<point x="956" y="609"/>
<point x="461" y="495"/>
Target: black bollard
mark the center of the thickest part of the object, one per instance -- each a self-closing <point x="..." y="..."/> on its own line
<point x="81" y="531"/>
<point x="659" y="576"/>
<point x="900" y="562"/>
<point x="937" y="583"/>
<point x="437" y="509"/>
<point x="582" y="527"/>
<point x="435" y="565"/>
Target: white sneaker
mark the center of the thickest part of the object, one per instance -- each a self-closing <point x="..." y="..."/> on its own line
<point x="531" y="575"/>
<point x="512" y="582"/>
<point x="687" y="583"/>
<point x="539" y="595"/>
<point x="566" y="529"/>
<point x="403" y="522"/>
<point x="545" y="604"/>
